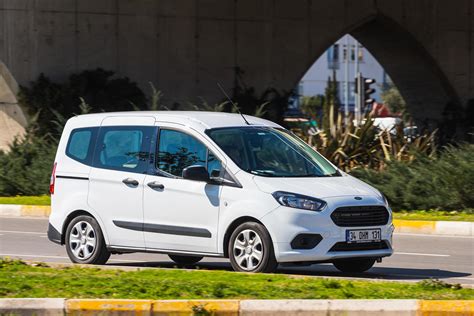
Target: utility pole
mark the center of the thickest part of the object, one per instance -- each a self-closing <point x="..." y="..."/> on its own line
<point x="358" y="94"/>
<point x="357" y="104"/>
<point x="346" y="82"/>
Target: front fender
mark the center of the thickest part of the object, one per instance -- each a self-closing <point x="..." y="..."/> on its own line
<point x="238" y="203"/>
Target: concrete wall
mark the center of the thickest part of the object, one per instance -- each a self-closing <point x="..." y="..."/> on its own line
<point x="184" y="47"/>
<point x="12" y="119"/>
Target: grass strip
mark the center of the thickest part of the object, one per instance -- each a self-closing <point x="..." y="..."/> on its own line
<point x="435" y="215"/>
<point x="26" y="200"/>
<point x="18" y="279"/>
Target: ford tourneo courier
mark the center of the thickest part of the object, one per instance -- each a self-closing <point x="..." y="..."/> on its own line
<point x="200" y="184"/>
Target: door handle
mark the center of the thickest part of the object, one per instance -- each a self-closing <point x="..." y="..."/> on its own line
<point x="156" y="185"/>
<point x="130" y="181"/>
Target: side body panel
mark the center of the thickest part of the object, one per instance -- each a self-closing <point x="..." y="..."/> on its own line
<point x="72" y="179"/>
<point x="183" y="214"/>
<point x="117" y="202"/>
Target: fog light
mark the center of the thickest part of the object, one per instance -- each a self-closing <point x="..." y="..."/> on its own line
<point x="306" y="241"/>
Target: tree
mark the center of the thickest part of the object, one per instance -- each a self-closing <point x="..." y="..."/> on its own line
<point x="46" y="101"/>
<point x="392" y="98"/>
<point x="270" y="104"/>
<point x="313" y="107"/>
<point x="331" y="103"/>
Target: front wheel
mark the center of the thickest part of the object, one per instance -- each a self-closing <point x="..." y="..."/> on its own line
<point x="354" y="265"/>
<point x="251" y="249"/>
<point x="185" y="260"/>
<point x="85" y="242"/>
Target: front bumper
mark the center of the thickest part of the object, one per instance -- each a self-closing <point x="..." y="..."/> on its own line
<point x="321" y="253"/>
<point x="284" y="224"/>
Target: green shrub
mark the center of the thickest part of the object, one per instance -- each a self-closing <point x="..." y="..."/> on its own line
<point x="444" y="181"/>
<point x="26" y="168"/>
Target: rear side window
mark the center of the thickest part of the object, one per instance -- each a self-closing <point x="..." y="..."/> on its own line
<point x="80" y="144"/>
<point x="124" y="148"/>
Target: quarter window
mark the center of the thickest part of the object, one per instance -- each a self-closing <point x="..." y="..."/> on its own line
<point x="79" y="146"/>
<point x="178" y="150"/>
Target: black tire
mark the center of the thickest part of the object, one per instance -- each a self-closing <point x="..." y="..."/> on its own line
<point x="267" y="263"/>
<point x="185" y="260"/>
<point x="354" y="265"/>
<point x="98" y="254"/>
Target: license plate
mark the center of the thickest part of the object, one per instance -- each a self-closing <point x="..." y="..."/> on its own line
<point x="363" y="235"/>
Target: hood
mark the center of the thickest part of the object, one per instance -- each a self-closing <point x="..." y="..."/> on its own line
<point x="317" y="187"/>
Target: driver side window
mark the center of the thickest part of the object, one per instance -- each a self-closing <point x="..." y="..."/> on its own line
<point x="178" y="150"/>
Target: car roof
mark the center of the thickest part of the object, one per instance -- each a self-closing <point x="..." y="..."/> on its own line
<point x="200" y="120"/>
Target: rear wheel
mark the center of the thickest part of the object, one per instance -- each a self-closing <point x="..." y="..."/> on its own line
<point x="185" y="260"/>
<point x="85" y="242"/>
<point x="354" y="265"/>
<point x="251" y="249"/>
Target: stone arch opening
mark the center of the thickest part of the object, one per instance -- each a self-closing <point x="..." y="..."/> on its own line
<point x="12" y="119"/>
<point x="431" y="100"/>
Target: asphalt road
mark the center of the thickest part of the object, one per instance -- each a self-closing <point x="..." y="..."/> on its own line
<point x="416" y="257"/>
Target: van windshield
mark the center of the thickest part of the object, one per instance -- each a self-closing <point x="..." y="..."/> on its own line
<point x="271" y="152"/>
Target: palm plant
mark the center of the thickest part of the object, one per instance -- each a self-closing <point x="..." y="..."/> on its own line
<point x="350" y="146"/>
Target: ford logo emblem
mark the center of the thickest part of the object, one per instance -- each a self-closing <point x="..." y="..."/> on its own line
<point x="358" y="198"/>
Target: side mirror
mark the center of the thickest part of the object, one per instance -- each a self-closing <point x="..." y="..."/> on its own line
<point x="196" y="173"/>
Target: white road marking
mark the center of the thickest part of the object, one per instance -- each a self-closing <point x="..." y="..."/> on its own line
<point x="18" y="232"/>
<point x="421" y="254"/>
<point x="470" y="279"/>
<point x="59" y="257"/>
<point x="435" y="236"/>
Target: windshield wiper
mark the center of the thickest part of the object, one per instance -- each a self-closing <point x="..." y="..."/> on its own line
<point x="262" y="172"/>
<point x="335" y="174"/>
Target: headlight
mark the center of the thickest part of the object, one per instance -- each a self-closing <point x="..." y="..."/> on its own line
<point x="299" y="201"/>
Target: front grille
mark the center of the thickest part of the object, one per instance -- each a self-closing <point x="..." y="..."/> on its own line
<point x="356" y="216"/>
<point x="344" y="246"/>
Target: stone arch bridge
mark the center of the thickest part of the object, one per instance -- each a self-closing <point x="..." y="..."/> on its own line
<point x="185" y="46"/>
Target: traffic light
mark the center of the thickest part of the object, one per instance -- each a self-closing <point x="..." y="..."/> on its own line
<point x="364" y="90"/>
<point x="367" y="91"/>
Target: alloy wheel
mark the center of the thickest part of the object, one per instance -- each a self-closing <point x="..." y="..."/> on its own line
<point x="82" y="240"/>
<point x="248" y="250"/>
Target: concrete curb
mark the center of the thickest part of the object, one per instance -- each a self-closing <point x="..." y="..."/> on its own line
<point x="32" y="306"/>
<point x="59" y="306"/>
<point x="401" y="226"/>
<point x="25" y="210"/>
<point x="434" y="227"/>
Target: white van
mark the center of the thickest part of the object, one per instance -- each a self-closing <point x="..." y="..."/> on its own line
<point x="200" y="184"/>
